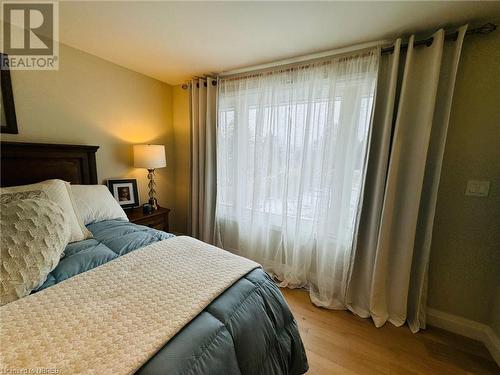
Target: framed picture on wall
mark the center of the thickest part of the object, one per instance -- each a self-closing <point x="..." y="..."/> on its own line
<point x="125" y="192"/>
<point x="8" y="121"/>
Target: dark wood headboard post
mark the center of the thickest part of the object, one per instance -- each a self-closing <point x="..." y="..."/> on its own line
<point x="26" y="163"/>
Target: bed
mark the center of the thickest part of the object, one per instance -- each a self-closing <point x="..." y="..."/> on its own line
<point x="247" y="329"/>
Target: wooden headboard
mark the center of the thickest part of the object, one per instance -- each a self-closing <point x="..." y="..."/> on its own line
<point x="26" y="163"/>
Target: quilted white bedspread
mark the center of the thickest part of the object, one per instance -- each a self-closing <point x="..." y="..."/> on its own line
<point x="112" y="319"/>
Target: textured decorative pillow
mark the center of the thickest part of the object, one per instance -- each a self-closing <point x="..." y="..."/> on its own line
<point x="34" y="234"/>
<point x="95" y="203"/>
<point x="9" y="197"/>
<point x="59" y="192"/>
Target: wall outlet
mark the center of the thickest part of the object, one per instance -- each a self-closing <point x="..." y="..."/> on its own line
<point x="477" y="188"/>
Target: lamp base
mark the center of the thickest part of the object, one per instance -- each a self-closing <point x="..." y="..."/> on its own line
<point x="154" y="203"/>
<point x="152" y="192"/>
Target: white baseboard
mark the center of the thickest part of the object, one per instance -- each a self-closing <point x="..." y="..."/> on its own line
<point x="492" y="342"/>
<point x="468" y="328"/>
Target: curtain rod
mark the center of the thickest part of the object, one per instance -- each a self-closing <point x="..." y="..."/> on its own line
<point x="485" y="29"/>
<point x="305" y="58"/>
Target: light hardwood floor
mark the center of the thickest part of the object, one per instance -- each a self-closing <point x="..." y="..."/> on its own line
<point x="338" y="342"/>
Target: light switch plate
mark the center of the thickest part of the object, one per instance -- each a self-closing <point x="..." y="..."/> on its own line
<point x="477" y="188"/>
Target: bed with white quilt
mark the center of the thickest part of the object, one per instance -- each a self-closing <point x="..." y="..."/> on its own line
<point x="82" y="290"/>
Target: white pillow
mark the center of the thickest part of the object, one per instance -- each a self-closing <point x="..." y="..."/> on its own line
<point x="58" y="191"/>
<point x="95" y="203"/>
<point x="35" y="233"/>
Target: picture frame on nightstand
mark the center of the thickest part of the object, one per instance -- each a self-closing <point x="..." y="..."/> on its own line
<point x="125" y="192"/>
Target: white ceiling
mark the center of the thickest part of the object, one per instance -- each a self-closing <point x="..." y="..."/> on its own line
<point x="173" y="41"/>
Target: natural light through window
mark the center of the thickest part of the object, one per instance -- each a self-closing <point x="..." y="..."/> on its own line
<point x="291" y="159"/>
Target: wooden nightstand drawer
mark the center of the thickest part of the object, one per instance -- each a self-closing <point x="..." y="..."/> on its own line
<point x="157" y="222"/>
<point x="157" y="219"/>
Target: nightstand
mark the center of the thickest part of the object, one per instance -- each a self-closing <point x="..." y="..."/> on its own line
<point x="157" y="219"/>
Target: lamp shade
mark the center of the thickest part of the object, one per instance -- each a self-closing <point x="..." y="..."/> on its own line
<point x="149" y="156"/>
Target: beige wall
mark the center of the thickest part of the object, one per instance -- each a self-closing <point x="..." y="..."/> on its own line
<point x="465" y="257"/>
<point x="181" y="137"/>
<point x="94" y="102"/>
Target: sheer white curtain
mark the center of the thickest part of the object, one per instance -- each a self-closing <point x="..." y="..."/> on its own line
<point x="291" y="159"/>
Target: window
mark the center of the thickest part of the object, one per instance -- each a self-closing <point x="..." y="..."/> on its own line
<point x="291" y="159"/>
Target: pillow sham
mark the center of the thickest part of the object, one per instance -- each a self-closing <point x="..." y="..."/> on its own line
<point x="35" y="233"/>
<point x="59" y="192"/>
<point x="95" y="203"/>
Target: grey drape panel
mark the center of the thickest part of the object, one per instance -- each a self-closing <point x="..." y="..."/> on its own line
<point x="203" y="108"/>
<point x="388" y="275"/>
<point x="359" y="287"/>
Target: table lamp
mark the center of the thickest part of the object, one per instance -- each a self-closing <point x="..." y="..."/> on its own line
<point x="150" y="157"/>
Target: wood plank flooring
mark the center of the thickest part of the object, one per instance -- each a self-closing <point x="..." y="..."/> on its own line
<point x="338" y="342"/>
